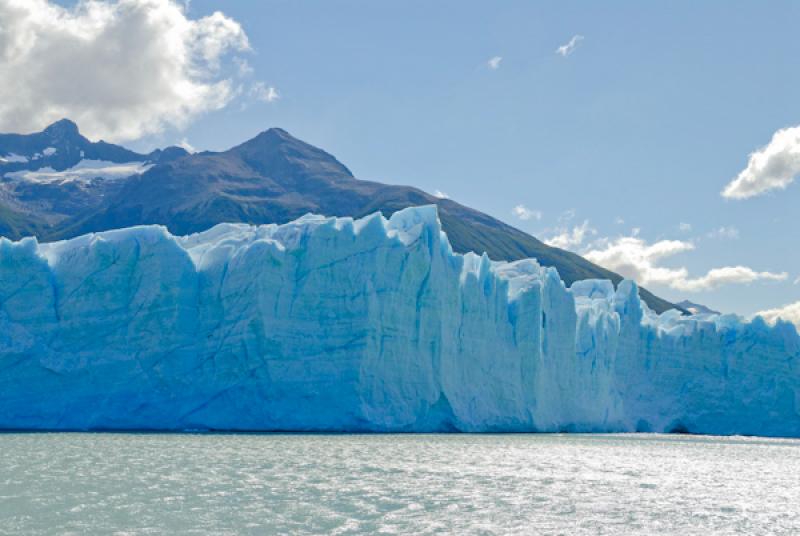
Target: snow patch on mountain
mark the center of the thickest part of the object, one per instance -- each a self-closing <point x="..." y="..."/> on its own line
<point x="85" y="171"/>
<point x="12" y="158"/>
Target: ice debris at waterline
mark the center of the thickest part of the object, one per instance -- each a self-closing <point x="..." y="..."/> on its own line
<point x="372" y="324"/>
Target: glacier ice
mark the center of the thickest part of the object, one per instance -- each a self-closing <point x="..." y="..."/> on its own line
<point x="362" y="325"/>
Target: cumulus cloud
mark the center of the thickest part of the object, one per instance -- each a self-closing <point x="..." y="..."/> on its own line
<point x="634" y="258"/>
<point x="524" y="213"/>
<point x="685" y="227"/>
<point x="727" y="275"/>
<point x="790" y="313"/>
<point x="769" y="168"/>
<point x="568" y="48"/>
<point x="571" y="238"/>
<point x="494" y="63"/>
<point x="120" y="69"/>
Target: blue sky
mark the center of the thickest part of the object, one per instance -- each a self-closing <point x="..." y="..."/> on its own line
<point x="630" y="137"/>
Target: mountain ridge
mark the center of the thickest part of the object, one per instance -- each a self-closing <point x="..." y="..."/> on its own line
<point x="68" y="147"/>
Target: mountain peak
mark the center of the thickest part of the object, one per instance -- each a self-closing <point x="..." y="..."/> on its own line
<point x="278" y="132"/>
<point x="62" y="127"/>
<point x="275" y="151"/>
<point x="276" y="136"/>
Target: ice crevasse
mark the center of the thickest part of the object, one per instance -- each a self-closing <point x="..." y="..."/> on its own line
<point x="335" y="324"/>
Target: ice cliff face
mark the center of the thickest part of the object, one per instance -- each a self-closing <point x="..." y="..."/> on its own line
<point x="373" y="324"/>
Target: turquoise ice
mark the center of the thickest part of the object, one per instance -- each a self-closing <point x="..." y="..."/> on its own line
<point x="335" y="324"/>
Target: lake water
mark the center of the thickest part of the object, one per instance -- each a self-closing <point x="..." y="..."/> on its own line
<point x="343" y="484"/>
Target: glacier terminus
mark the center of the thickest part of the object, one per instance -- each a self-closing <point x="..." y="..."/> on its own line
<point x="375" y="324"/>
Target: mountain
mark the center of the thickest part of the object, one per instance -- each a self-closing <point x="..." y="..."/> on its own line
<point x="50" y="177"/>
<point x="272" y="178"/>
<point x="61" y="146"/>
<point x="696" y="308"/>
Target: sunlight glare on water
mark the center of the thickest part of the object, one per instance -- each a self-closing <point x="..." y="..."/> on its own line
<point x="346" y="484"/>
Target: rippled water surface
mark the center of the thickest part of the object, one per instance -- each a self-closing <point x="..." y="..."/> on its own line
<point x="341" y="484"/>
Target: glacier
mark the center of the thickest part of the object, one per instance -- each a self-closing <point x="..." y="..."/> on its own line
<point x="336" y="324"/>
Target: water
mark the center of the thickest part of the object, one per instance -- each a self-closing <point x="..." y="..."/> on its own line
<point x="342" y="484"/>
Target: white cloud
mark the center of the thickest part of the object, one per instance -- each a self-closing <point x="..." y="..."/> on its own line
<point x="264" y="93"/>
<point x="790" y="313"/>
<point x="729" y="232"/>
<point x="120" y="69"/>
<point x="727" y="275"/>
<point x="441" y="195"/>
<point x="685" y="227"/>
<point x="769" y="168"/>
<point x="494" y="63"/>
<point x="524" y="213"/>
<point x="619" y="221"/>
<point x="569" y="47"/>
<point x="571" y="238"/>
<point x="633" y="258"/>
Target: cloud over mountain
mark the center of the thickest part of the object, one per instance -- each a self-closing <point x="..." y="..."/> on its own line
<point x="122" y="69"/>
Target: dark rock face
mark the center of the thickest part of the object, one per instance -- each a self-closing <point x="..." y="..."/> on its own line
<point x="272" y="178"/>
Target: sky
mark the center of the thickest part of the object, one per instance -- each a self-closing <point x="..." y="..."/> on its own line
<point x="660" y="140"/>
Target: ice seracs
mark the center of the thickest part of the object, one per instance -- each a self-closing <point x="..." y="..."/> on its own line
<point x="371" y="324"/>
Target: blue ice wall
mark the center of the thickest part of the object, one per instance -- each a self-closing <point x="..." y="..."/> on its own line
<point x="372" y="324"/>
